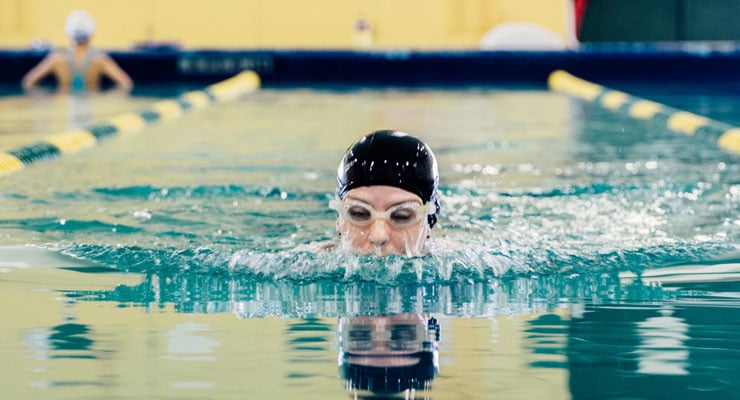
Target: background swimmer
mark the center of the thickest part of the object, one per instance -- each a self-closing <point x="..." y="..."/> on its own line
<point x="80" y="67"/>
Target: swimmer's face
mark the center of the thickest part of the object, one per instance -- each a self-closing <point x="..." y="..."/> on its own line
<point x="383" y="341"/>
<point x="382" y="236"/>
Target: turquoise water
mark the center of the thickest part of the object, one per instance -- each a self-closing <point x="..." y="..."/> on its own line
<point x="600" y="256"/>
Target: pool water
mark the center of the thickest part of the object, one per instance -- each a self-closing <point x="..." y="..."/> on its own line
<point x="600" y="259"/>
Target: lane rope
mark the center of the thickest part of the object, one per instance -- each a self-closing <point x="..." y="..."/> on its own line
<point x="73" y="141"/>
<point x="725" y="135"/>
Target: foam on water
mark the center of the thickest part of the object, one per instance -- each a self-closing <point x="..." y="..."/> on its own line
<point x="288" y="284"/>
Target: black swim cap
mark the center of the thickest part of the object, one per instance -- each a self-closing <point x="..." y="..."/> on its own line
<point x="391" y="158"/>
<point x="390" y="379"/>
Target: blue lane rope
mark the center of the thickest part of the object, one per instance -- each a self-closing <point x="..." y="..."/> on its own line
<point x="725" y="135"/>
<point x="68" y="142"/>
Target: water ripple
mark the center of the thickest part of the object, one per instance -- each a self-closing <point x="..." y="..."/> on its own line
<point x="148" y="192"/>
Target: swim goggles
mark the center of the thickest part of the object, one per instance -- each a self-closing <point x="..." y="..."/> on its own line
<point x="396" y="336"/>
<point x="402" y="215"/>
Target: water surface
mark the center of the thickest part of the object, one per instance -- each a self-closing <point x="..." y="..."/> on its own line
<point x="601" y="253"/>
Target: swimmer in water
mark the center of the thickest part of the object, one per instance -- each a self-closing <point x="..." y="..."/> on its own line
<point x="80" y="67"/>
<point x="387" y="201"/>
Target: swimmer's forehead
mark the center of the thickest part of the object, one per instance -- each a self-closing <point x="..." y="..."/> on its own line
<point x="381" y="195"/>
<point x="416" y="319"/>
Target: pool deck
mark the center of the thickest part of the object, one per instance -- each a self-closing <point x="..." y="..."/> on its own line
<point x="672" y="63"/>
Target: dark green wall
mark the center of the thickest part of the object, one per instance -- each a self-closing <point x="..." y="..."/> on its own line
<point x="660" y="20"/>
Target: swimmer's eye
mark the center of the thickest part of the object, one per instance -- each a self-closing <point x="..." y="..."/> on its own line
<point x="403" y="337"/>
<point x="359" y="213"/>
<point x="403" y="332"/>
<point x="403" y="215"/>
<point x="361" y="338"/>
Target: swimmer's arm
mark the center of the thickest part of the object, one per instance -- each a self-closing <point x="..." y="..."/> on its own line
<point x="38" y="72"/>
<point x="115" y="73"/>
<point x="316" y="247"/>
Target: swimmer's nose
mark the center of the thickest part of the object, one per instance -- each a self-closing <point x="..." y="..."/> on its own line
<point x="379" y="233"/>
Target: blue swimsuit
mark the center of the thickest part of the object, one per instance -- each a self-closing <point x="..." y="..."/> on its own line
<point x="78" y="72"/>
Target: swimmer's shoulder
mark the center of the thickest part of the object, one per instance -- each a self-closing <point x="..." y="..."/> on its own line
<point x="437" y="246"/>
<point x="326" y="246"/>
<point x="59" y="54"/>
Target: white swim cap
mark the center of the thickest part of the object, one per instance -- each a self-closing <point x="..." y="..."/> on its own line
<point x="80" y="25"/>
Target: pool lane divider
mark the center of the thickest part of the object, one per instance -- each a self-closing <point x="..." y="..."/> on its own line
<point x="725" y="135"/>
<point x="72" y="141"/>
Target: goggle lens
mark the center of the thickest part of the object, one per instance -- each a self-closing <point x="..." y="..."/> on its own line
<point x="396" y="337"/>
<point x="362" y="214"/>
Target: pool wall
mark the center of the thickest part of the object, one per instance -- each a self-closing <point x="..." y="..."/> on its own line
<point x="606" y="63"/>
<point x="277" y="23"/>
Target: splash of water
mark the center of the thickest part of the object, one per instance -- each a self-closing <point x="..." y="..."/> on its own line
<point x="467" y="264"/>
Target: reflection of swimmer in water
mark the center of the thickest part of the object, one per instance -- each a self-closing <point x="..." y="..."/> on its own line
<point x="386" y="196"/>
<point x="388" y="355"/>
<point x="79" y="67"/>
